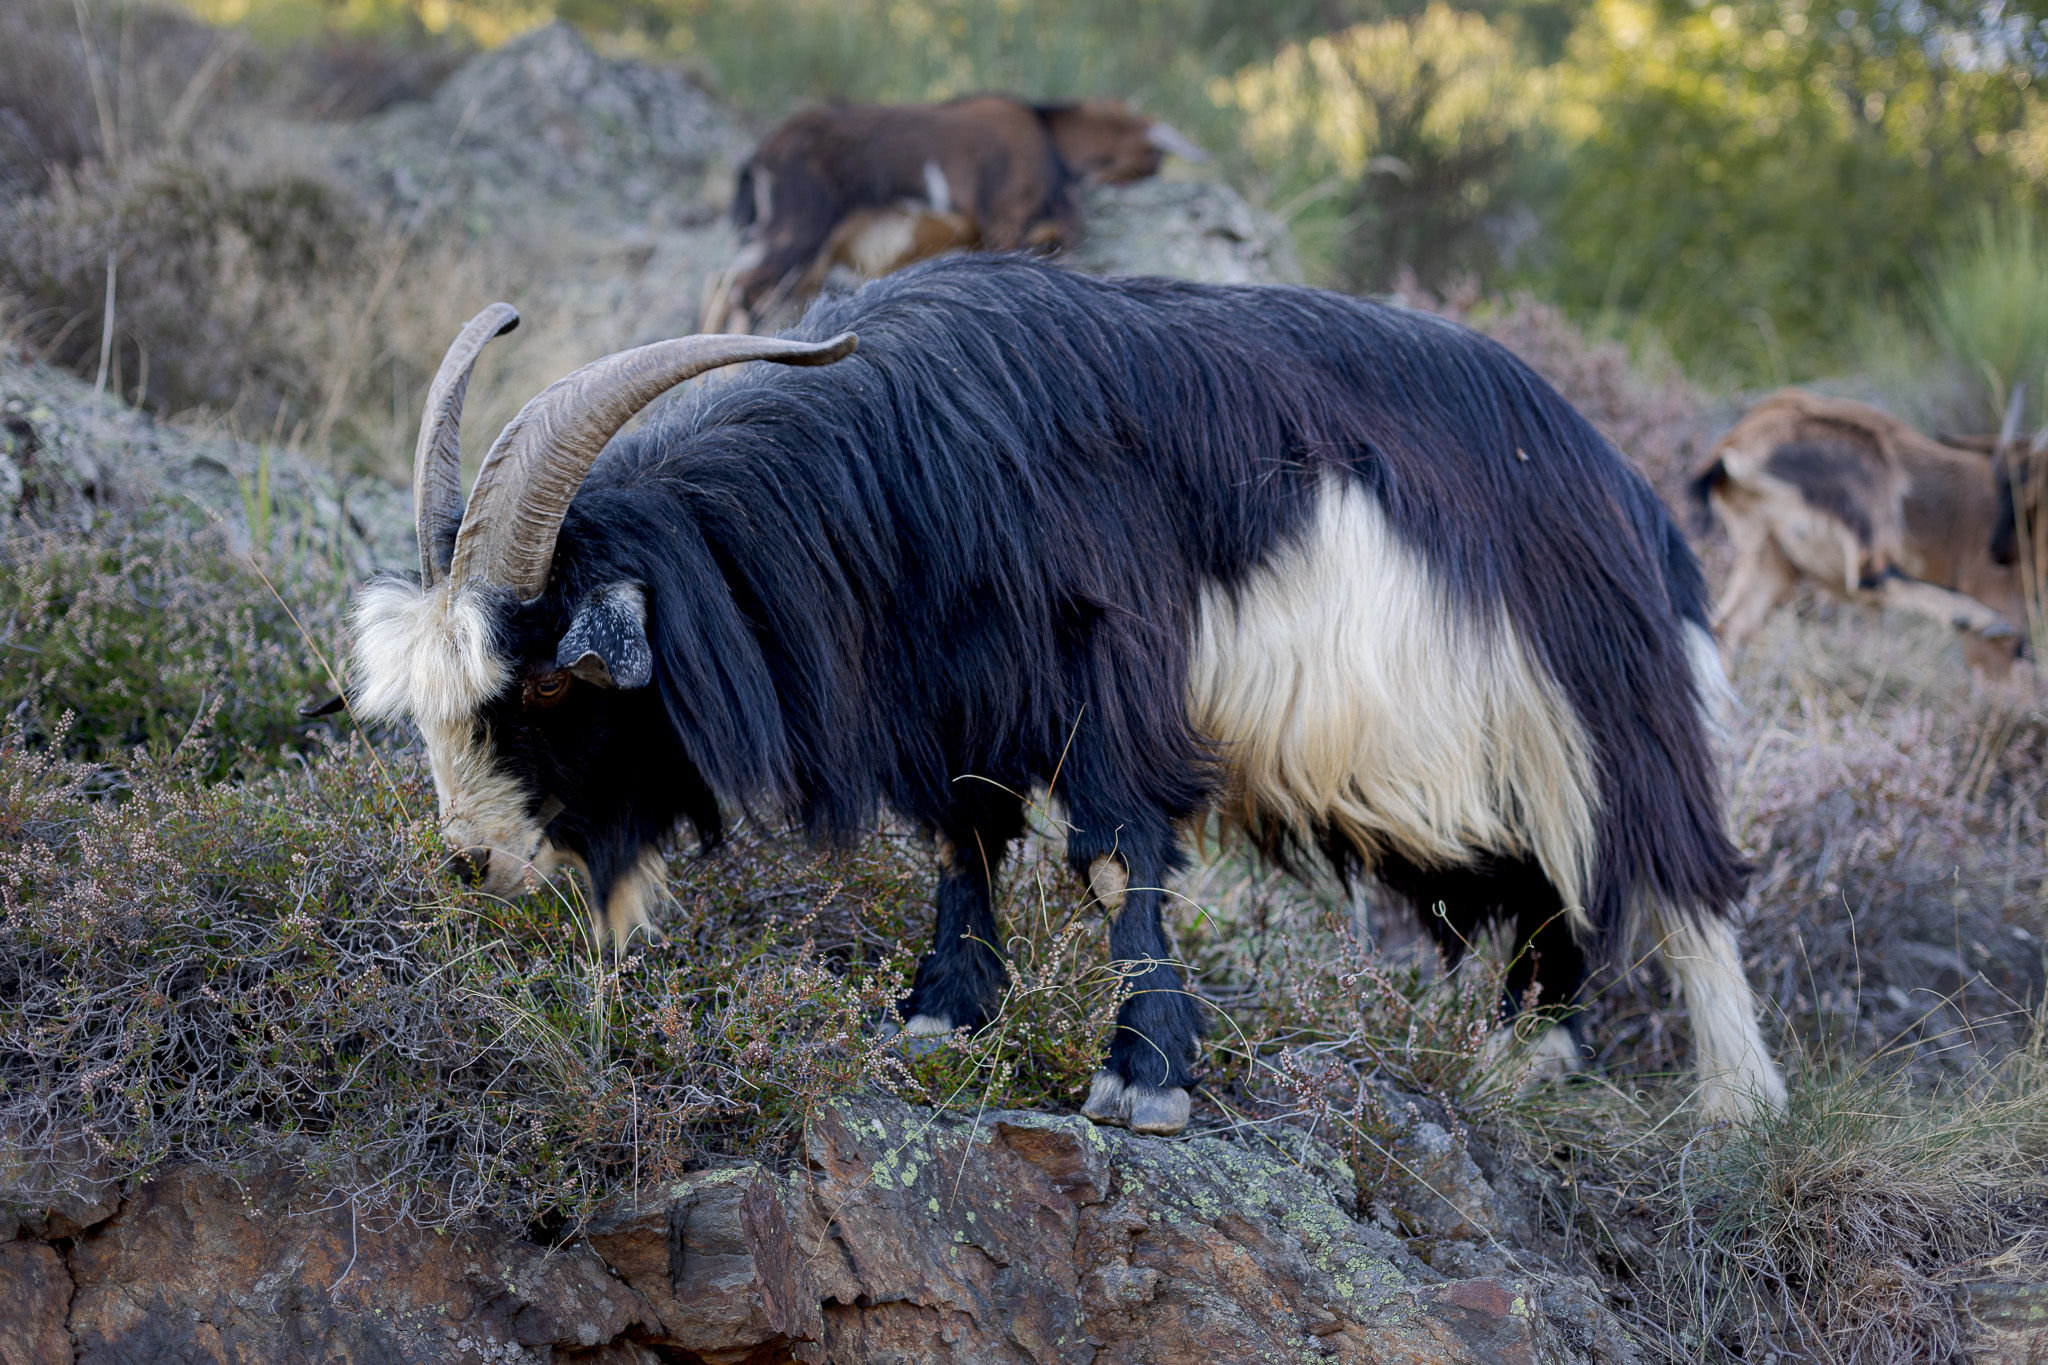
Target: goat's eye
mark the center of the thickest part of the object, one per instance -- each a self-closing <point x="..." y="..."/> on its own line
<point x="547" y="690"/>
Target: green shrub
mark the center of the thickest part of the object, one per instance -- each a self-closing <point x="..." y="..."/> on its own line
<point x="138" y="632"/>
<point x="1986" y="302"/>
<point x="1408" y="130"/>
<point x="1742" y="177"/>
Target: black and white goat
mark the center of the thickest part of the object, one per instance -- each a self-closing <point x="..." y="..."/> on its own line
<point x="1353" y="575"/>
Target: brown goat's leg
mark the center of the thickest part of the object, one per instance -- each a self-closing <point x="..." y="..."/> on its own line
<point x="1763" y="578"/>
<point x="1945" y="605"/>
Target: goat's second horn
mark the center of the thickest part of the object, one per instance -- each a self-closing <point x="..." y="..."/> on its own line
<point x="437" y="459"/>
<point x="2009" y="430"/>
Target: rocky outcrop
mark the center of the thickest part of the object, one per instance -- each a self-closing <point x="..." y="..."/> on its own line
<point x="1190" y="229"/>
<point x="2009" y="1322"/>
<point x="901" y="1236"/>
<point x="545" y="122"/>
<point x="64" y="455"/>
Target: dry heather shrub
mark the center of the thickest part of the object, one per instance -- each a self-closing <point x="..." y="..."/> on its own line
<point x="1845" y="1232"/>
<point x="276" y="971"/>
<point x="214" y="261"/>
<point x="1047" y="1035"/>
<point x="1850" y="1226"/>
<point x="138" y="77"/>
<point x="1894" y="809"/>
<point x="1318" y="1027"/>
<point x="1897" y="813"/>
<point x="154" y="68"/>
<point x="267" y="296"/>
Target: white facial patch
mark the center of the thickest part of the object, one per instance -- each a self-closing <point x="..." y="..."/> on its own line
<point x="424" y="654"/>
<point x="1344" y="691"/>
<point x="429" y="655"/>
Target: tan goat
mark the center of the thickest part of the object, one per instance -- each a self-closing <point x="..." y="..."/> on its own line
<point x="1856" y="502"/>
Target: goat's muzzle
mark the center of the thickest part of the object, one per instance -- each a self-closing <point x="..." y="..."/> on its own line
<point x="469" y="864"/>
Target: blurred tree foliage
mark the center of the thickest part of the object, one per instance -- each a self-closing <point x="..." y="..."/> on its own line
<point x="1408" y="127"/>
<point x="1742" y="176"/>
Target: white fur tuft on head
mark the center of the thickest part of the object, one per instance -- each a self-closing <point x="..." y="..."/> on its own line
<point x="425" y="654"/>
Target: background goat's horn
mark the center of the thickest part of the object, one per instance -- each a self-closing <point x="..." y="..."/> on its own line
<point x="539" y="459"/>
<point x="2010" y="430"/>
<point x="437" y="460"/>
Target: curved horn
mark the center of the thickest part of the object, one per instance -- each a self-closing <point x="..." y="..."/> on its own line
<point x="437" y="459"/>
<point x="539" y="459"/>
<point x="2009" y="430"/>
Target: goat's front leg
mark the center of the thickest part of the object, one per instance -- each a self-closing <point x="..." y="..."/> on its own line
<point x="960" y="982"/>
<point x="1150" y="1066"/>
<point x="1762" y="578"/>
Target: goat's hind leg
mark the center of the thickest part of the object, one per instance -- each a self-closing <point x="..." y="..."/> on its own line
<point x="1738" y="1079"/>
<point x="1456" y="904"/>
<point x="1945" y="605"/>
<point x="960" y="981"/>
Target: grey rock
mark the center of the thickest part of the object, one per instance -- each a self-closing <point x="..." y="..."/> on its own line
<point x="86" y="456"/>
<point x="546" y="122"/>
<point x="901" y="1235"/>
<point x="1191" y="229"/>
<point x="2009" y="1322"/>
<point x="1435" y="1184"/>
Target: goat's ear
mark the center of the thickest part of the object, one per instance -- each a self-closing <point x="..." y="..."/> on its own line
<point x="607" y="642"/>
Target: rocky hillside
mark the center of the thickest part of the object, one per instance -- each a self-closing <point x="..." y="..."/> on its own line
<point x="901" y="1236"/>
<point x="590" y="192"/>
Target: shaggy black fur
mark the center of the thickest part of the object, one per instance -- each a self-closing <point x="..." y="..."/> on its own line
<point x="966" y="558"/>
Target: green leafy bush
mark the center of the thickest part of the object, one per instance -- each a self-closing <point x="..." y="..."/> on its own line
<point x="1986" y="301"/>
<point x="1741" y="177"/>
<point x="1409" y="129"/>
<point x="140" y="631"/>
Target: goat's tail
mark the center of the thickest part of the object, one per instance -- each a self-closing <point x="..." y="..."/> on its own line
<point x="1699" y="495"/>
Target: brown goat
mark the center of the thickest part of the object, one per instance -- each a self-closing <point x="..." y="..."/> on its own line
<point x="1865" y="508"/>
<point x="840" y="184"/>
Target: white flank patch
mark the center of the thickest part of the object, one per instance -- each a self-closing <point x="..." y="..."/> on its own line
<point x="1346" y="691"/>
